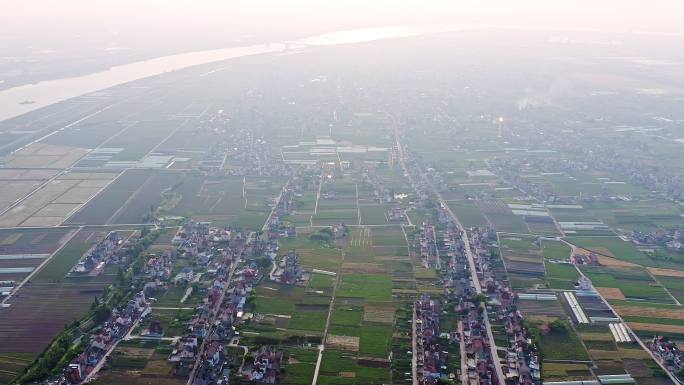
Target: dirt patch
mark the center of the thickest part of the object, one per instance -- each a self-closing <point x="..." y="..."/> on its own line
<point x="649" y="312"/>
<point x="136" y="352"/>
<point x="613" y="262"/>
<point x="633" y="354"/>
<point x="343" y="342"/>
<point x="347" y="374"/>
<point x="603" y="354"/>
<point x="666" y="272"/>
<point x="602" y="251"/>
<point x="637" y="368"/>
<point x="656" y="327"/>
<point x="378" y="314"/>
<point x="610" y="292"/>
<point x="281" y="322"/>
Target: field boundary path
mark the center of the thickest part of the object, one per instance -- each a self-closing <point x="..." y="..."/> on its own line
<point x="321" y="347"/>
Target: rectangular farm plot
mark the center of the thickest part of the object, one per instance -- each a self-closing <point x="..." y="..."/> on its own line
<point x="129" y="199"/>
<point x="31" y="241"/>
<point x="52" y="203"/>
<point x="522" y="256"/>
<point x="47" y="308"/>
<point x="372" y="287"/>
<point x="634" y="283"/>
<point x="59" y="265"/>
<point x="374" y="214"/>
<point x="141" y="138"/>
<point x="561" y="275"/>
<point x="468" y="213"/>
<point x="42" y="155"/>
<point x="555" y="250"/>
<point x="343" y="367"/>
<point x="675" y="285"/>
<point x="242" y="201"/>
<point x="613" y="247"/>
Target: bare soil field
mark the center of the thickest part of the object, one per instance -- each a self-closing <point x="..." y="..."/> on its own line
<point x="656" y="327"/>
<point x="52" y="203"/>
<point x="31" y="241"/>
<point x="545" y="308"/>
<point x="613" y="262"/>
<point x="26" y="174"/>
<point x="639" y="311"/>
<point x="378" y="314"/>
<point x="610" y="292"/>
<point x="13" y="190"/>
<point x="41" y="155"/>
<point x="47" y="308"/>
<point x="343" y="342"/>
<point x="666" y="272"/>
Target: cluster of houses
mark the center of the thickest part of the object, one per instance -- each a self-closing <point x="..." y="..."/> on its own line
<point x="522" y="364"/>
<point x="221" y="308"/>
<point x="377" y="184"/>
<point x="430" y="356"/>
<point x="288" y="271"/>
<point x="673" y="239"/>
<point x="113" y="330"/>
<point x="233" y="270"/>
<point x="265" y="367"/>
<point x="427" y="244"/>
<point x="94" y="260"/>
<point x="477" y="362"/>
<point x="158" y="269"/>
<point x="668" y="352"/>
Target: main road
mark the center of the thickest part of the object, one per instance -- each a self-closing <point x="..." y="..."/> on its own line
<point x="476" y="283"/>
<point x="468" y="252"/>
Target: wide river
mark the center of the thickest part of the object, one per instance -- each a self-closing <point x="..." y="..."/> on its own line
<point x="52" y="91"/>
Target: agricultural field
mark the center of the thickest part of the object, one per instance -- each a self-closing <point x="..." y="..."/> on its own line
<point x="197" y="195"/>
<point x="47" y="307"/>
<point x="16" y="183"/>
<point x="561" y="275"/>
<point x="43" y="155"/>
<point x="522" y="259"/>
<point x="24" y="250"/>
<point x="555" y="250"/>
<point x="55" y="200"/>
<point x="646" y="318"/>
<point x="137" y="362"/>
<point x="642" y="215"/>
<point x="613" y="247"/>
<point x="560" y="342"/>
<point x="130" y="199"/>
<point x="632" y="282"/>
<point x="12" y="364"/>
<point x="468" y="213"/>
<point x="501" y="217"/>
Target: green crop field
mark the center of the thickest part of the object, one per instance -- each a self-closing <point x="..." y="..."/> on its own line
<point x="468" y="213"/>
<point x="613" y="246"/>
<point x="555" y="250"/>
<point x="373" y="287"/>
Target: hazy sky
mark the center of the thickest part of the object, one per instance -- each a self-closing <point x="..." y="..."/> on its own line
<point x="170" y="18"/>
